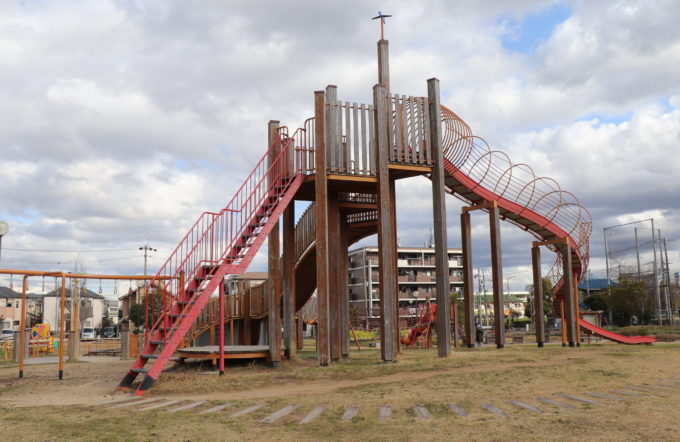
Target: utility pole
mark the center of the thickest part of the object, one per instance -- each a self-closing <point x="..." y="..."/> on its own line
<point x="146" y="249"/>
<point x="74" y="336"/>
<point x="637" y="253"/>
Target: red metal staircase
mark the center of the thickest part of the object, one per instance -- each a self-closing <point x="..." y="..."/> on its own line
<point x="218" y="244"/>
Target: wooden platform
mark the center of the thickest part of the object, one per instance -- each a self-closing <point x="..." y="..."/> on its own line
<point x="230" y="352"/>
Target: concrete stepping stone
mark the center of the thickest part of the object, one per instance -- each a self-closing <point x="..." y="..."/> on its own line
<point x="245" y="411"/>
<point x="582" y="399"/>
<point x="555" y="403"/>
<point x="118" y="400"/>
<point x="667" y="385"/>
<point x="385" y="412"/>
<point x="456" y="409"/>
<point x="130" y="404"/>
<point x="494" y="410"/>
<point x="627" y="393"/>
<point x="659" y="387"/>
<point x="278" y="414"/>
<point x="421" y="411"/>
<point x="350" y="413"/>
<point x="316" y="412"/>
<point x="187" y="406"/>
<point x="215" y="409"/>
<point x="161" y="405"/>
<point x="526" y="406"/>
<point x="646" y="390"/>
<point x="604" y="396"/>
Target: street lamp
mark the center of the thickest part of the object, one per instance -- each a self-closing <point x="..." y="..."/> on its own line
<point x="146" y="249"/>
<point x="4" y="228"/>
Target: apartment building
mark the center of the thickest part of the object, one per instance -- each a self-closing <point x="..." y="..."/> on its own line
<point x="416" y="277"/>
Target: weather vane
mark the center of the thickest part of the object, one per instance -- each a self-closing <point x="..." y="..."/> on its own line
<point x="382" y="18"/>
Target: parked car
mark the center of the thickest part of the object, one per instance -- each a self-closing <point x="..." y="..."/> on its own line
<point x="88" y="334"/>
<point x="109" y="332"/>
<point x="7" y="335"/>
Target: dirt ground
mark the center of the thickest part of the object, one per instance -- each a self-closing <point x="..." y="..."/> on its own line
<point x="40" y="407"/>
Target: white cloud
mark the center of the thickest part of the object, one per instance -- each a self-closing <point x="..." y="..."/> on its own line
<point x="123" y="120"/>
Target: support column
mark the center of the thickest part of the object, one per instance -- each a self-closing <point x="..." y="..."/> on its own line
<point x="289" y="338"/>
<point x="389" y="340"/>
<point x="468" y="284"/>
<point x="335" y="277"/>
<point x="497" y="274"/>
<point x="247" y="326"/>
<point x="439" y="216"/>
<point x="568" y="290"/>
<point x="577" y="315"/>
<point x="221" y="325"/>
<point x="344" y="287"/>
<point x="321" y="208"/>
<point x="274" y="306"/>
<point x="539" y="322"/>
<point x="299" y="333"/>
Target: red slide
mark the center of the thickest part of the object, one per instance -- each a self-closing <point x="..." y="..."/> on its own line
<point x="615" y="336"/>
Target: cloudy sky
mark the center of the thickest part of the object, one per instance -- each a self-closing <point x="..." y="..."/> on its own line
<point x="121" y="121"/>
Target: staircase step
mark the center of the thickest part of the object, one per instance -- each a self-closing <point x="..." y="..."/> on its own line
<point x="149" y="355"/>
<point x="140" y="370"/>
<point x="176" y="315"/>
<point x="157" y="341"/>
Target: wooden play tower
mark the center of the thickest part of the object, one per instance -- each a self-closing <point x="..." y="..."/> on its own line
<point x="345" y="160"/>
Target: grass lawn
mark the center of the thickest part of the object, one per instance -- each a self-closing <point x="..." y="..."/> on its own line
<point x="469" y="378"/>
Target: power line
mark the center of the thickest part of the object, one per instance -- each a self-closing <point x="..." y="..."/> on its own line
<point x="69" y="251"/>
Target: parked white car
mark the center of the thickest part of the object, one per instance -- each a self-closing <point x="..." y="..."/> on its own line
<point x="88" y="334"/>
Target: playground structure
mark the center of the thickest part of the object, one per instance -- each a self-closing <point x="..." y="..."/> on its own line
<point x="345" y="160"/>
<point x="40" y="333"/>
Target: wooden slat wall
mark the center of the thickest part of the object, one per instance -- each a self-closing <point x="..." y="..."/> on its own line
<point x="410" y="130"/>
<point x="350" y="138"/>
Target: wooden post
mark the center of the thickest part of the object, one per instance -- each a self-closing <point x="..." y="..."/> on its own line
<point x="299" y="334"/>
<point x="321" y="226"/>
<point x="22" y="327"/>
<point x="221" y="325"/>
<point x="468" y="284"/>
<point x="539" y="322"/>
<point x="384" y="64"/>
<point x="289" y="281"/>
<point x="274" y="266"/>
<point x="577" y="314"/>
<point x="563" y="322"/>
<point x="74" y="335"/>
<point x="335" y="277"/>
<point x="387" y="252"/>
<point x="439" y="215"/>
<point x="568" y="290"/>
<point x="344" y="287"/>
<point x="497" y="275"/>
<point x="246" y="336"/>
<point x="62" y="325"/>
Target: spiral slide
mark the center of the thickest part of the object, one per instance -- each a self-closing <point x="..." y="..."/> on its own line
<point x="538" y="205"/>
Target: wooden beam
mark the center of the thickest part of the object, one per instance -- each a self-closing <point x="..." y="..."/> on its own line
<point x="386" y="246"/>
<point x="274" y="267"/>
<point x="289" y="340"/>
<point x="468" y="283"/>
<point x="481" y="206"/>
<point x="497" y="276"/>
<point x="321" y="220"/>
<point x="568" y="290"/>
<point x="539" y="322"/>
<point x="439" y="216"/>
